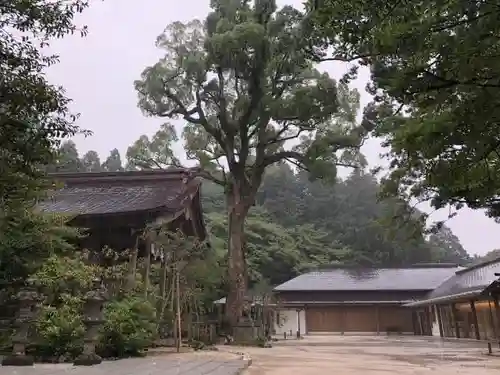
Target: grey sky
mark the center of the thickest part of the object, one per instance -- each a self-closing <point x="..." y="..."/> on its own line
<point x="98" y="73"/>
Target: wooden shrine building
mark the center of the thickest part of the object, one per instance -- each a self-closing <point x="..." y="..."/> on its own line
<point x="465" y="306"/>
<point x="115" y="207"/>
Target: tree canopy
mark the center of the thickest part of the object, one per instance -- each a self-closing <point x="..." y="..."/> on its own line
<point x="435" y="80"/>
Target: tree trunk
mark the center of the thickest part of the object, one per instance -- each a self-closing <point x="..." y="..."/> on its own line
<point x="237" y="212"/>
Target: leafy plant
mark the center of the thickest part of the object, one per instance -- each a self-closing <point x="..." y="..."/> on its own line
<point x="60" y="329"/>
<point x="130" y="327"/>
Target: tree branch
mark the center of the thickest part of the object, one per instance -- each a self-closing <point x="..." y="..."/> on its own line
<point x="188" y="114"/>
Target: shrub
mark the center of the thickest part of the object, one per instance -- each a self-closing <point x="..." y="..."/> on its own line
<point x="60" y="330"/>
<point x="130" y="327"/>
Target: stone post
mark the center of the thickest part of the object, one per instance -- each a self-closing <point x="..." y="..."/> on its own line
<point x="93" y="318"/>
<point x="27" y="299"/>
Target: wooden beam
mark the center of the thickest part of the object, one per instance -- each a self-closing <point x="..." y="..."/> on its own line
<point x="474" y="320"/>
<point x="377" y="314"/>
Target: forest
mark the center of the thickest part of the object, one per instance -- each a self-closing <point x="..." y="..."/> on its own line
<point x="298" y="224"/>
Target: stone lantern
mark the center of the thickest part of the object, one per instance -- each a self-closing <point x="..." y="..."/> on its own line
<point x="93" y="318"/>
<point x="27" y="300"/>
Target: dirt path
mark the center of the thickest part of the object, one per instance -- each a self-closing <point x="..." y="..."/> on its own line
<point x="370" y="356"/>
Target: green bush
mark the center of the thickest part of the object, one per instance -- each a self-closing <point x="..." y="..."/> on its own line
<point x="60" y="330"/>
<point x="130" y="327"/>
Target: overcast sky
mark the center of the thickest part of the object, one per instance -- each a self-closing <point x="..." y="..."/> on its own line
<point x="98" y="74"/>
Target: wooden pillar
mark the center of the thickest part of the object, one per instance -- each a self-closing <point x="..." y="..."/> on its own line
<point x="306" y="330"/>
<point x="455" y="320"/>
<point x="474" y="320"/>
<point x="492" y="320"/>
<point x="298" y="324"/>
<point x="414" y="323"/>
<point x="420" y="323"/>
<point x="497" y="310"/>
<point x="440" y="322"/>
<point x="430" y="321"/>
<point x="377" y="313"/>
<point x="343" y="322"/>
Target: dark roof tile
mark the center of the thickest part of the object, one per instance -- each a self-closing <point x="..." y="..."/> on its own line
<point x="415" y="278"/>
<point x="105" y="193"/>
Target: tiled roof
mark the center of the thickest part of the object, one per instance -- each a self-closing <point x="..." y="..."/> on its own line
<point x="472" y="280"/>
<point x="119" y="192"/>
<point x="341" y="279"/>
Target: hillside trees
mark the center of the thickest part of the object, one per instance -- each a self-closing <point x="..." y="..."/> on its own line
<point x="435" y="72"/>
<point x="244" y="86"/>
<point x="298" y="224"/>
<point x="67" y="159"/>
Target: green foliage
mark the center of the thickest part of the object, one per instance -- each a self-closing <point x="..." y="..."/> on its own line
<point x="113" y="163"/>
<point x="28" y="239"/>
<point x="211" y="77"/>
<point x="34" y="117"/>
<point x="130" y="327"/>
<point x="130" y="321"/>
<point x="435" y="71"/>
<point x="66" y="274"/>
<point x="60" y="329"/>
<point x="198" y="265"/>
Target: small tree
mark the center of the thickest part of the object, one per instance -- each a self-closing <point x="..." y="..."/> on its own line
<point x="250" y="98"/>
<point x="178" y="252"/>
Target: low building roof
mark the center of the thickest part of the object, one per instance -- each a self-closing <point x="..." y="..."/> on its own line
<point x="465" y="283"/>
<point x="417" y="278"/>
<point x="104" y="193"/>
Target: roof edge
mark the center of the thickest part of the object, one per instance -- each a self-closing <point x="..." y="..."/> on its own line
<point x="349" y="267"/>
<point x="479" y="265"/>
<point x="155" y="174"/>
<point x="352" y="290"/>
<point x="446" y="298"/>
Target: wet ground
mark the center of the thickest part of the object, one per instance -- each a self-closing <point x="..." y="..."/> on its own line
<point x="326" y="355"/>
<point x="200" y="363"/>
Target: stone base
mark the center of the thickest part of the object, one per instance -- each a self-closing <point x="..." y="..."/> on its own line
<point x="87" y="360"/>
<point x="18" y="360"/>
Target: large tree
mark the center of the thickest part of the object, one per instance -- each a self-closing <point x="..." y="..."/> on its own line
<point x="436" y="81"/>
<point x="249" y="97"/>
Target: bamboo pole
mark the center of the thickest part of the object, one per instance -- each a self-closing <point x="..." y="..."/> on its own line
<point x="147" y="266"/>
<point x="133" y="265"/>
<point x="177" y="294"/>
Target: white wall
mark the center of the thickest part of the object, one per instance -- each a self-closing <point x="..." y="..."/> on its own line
<point x="289" y="320"/>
